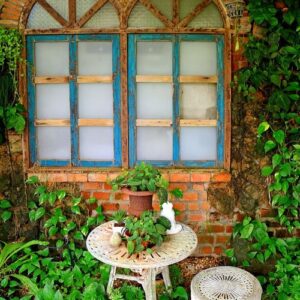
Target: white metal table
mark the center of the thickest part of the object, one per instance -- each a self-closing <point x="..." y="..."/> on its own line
<point x="174" y="249"/>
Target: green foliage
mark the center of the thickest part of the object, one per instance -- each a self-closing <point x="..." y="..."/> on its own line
<point x="127" y="292"/>
<point x="178" y="293"/>
<point x="264" y="248"/>
<point x="5" y="210"/>
<point x="64" y="218"/>
<point x="11" y="111"/>
<point x="273" y="74"/>
<point x="145" y="232"/>
<point x="176" y="275"/>
<point x="118" y="216"/>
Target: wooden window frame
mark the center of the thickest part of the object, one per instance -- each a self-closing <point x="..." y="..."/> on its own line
<point x="176" y="123"/>
<point x="73" y="79"/>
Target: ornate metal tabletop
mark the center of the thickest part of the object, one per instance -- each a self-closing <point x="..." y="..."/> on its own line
<point x="174" y="249"/>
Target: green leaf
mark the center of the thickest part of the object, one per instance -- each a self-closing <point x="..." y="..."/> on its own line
<point x="76" y="210"/>
<point x="4" y="204"/>
<point x="52" y="231"/>
<point x="275" y="78"/>
<point x="264" y="126"/>
<point x="285" y="170"/>
<point x="288" y="17"/>
<point x="32" y="287"/>
<point x="52" y="198"/>
<point x="78" y="236"/>
<point x="279" y="136"/>
<point x="6" y="215"/>
<point x="40" y="212"/>
<point x="180" y="293"/>
<point x="130" y="247"/>
<point x="59" y="243"/>
<point x="61" y="194"/>
<point x="229" y="252"/>
<point x="247" y="231"/>
<point x="269" y="145"/>
<point x="76" y="201"/>
<point x="32" y="180"/>
<point x="266" y="171"/>
<point x="276" y="160"/>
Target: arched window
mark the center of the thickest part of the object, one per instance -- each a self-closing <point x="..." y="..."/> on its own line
<point x="112" y="83"/>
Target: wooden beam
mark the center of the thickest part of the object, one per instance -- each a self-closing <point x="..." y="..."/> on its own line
<point x="52" y="122"/>
<point x="198" y="9"/>
<point x="72" y="13"/>
<point x="94" y="79"/>
<point x="96" y="122"/>
<point x="53" y="12"/>
<point x="153" y="123"/>
<point x="175" y="16"/>
<point x="198" y="123"/>
<point x="48" y="79"/>
<point x="154" y="78"/>
<point x="198" y="79"/>
<point x="157" y="13"/>
<point x="91" y="12"/>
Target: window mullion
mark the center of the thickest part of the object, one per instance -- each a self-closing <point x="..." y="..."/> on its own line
<point x="176" y="109"/>
<point x="73" y="100"/>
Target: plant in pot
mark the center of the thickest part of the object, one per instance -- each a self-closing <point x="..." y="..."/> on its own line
<point x="145" y="232"/>
<point x="118" y="219"/>
<point x="140" y="184"/>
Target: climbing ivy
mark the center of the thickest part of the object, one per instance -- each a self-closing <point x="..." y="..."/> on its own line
<point x="11" y="111"/>
<point x="272" y="75"/>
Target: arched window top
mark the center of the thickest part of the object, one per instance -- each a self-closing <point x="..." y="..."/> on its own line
<point x="139" y="14"/>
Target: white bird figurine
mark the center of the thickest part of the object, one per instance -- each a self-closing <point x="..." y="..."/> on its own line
<point x="169" y="213"/>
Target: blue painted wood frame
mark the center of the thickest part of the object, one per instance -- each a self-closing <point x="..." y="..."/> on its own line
<point x="73" y="57"/>
<point x="176" y="39"/>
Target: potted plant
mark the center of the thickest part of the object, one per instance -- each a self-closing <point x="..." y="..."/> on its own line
<point x="145" y="232"/>
<point x="140" y="184"/>
<point x="118" y="218"/>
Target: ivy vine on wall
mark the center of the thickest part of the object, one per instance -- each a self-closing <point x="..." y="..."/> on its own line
<point x="11" y="111"/>
<point x="273" y="75"/>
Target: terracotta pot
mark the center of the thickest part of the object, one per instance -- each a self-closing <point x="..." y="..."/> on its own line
<point x="139" y="202"/>
<point x="280" y="4"/>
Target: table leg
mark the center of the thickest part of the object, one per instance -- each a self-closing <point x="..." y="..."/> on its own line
<point x="111" y="278"/>
<point x="149" y="284"/>
<point x="166" y="277"/>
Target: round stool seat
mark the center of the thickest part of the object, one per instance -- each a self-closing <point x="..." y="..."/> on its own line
<point x="222" y="283"/>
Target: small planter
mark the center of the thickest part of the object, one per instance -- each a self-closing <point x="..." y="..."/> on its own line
<point x="139" y="202"/>
<point x="119" y="228"/>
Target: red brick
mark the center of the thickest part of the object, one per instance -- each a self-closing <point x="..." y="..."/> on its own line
<point x="166" y="176"/>
<point x="107" y="186"/>
<point x="180" y="218"/>
<point x="205" y="250"/>
<point x="180" y="206"/>
<point x="190" y="196"/>
<point x="239" y="217"/>
<point x="221" y="177"/>
<point x="77" y="177"/>
<point x="179" y="177"/>
<point x="222" y="239"/>
<point x="218" y="250"/>
<point x="203" y="196"/>
<point x="205" y="239"/>
<point x="229" y="229"/>
<point x="215" y="228"/>
<point x="200" y="177"/>
<point x="110" y="206"/>
<point x="57" y="177"/>
<point x="205" y="205"/>
<point x="196" y="218"/>
<point x="182" y="186"/>
<point x="198" y="187"/>
<point x="89" y="186"/>
<point x="97" y="177"/>
<point x="101" y="195"/>
<point x="123" y="206"/>
<point x="86" y="195"/>
<point x="41" y="176"/>
<point x="194" y="206"/>
<point x="121" y="196"/>
<point x="267" y="213"/>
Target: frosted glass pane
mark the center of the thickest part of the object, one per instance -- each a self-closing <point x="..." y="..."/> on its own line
<point x="106" y="17"/>
<point x="95" y="58"/>
<point x="154" y="143"/>
<point x="154" y="58"/>
<point x="210" y="17"/>
<point x="154" y="100"/>
<point x="95" y="100"/>
<point x="198" y="143"/>
<point x="140" y="17"/>
<point x="61" y="6"/>
<point x="39" y="18"/>
<point x="96" y="143"/>
<point x="187" y="6"/>
<point x="165" y="6"/>
<point x="53" y="143"/>
<point x="198" y="58"/>
<point x="82" y="6"/>
<point x="52" y="101"/>
<point x="198" y="101"/>
<point x="52" y="58"/>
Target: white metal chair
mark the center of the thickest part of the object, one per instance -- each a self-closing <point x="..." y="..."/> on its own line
<point x="225" y="283"/>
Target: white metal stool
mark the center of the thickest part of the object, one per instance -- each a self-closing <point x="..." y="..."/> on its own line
<point x="225" y="283"/>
